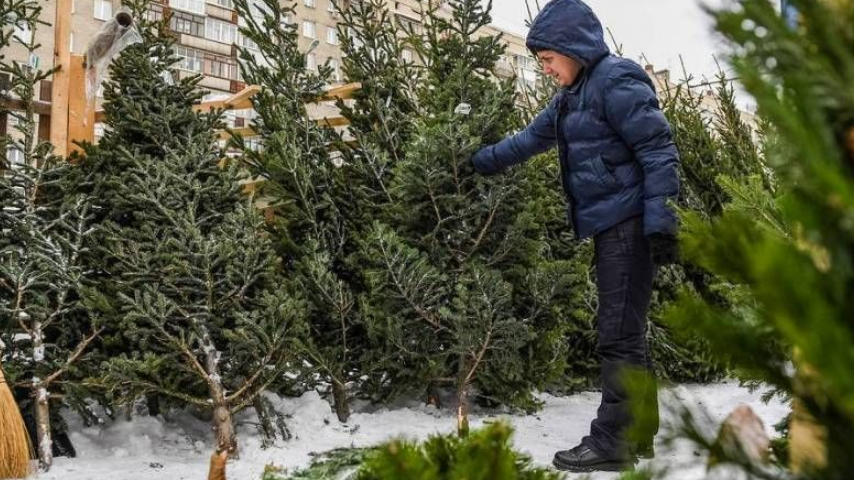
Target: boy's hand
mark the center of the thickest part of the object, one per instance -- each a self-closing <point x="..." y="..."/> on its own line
<point x="664" y="249"/>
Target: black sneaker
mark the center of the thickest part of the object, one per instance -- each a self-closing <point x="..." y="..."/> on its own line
<point x="584" y="459"/>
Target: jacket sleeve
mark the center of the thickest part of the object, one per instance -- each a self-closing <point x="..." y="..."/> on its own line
<point x="632" y="110"/>
<point x="538" y="137"/>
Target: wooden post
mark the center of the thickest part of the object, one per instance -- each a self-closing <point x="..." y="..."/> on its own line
<point x="81" y="114"/>
<point x="59" y="97"/>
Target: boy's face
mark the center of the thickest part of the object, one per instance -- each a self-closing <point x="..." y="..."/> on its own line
<point x="560" y="67"/>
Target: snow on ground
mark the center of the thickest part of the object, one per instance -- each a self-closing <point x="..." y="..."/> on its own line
<point x="148" y="448"/>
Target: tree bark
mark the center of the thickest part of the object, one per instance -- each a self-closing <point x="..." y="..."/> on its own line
<point x="43" y="436"/>
<point x="342" y="403"/>
<point x="42" y="407"/>
<point x="267" y="427"/>
<point x="463" y="410"/>
<point x="222" y="422"/>
<point x="152" y="401"/>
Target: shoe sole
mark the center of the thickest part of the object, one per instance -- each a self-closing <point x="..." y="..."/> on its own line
<point x="598" y="467"/>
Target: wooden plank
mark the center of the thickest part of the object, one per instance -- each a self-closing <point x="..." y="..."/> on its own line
<point x="243" y="131"/>
<point x="333" y="121"/>
<point x="250" y="132"/>
<point x="59" y="93"/>
<point x="81" y="114"/>
<point x="250" y="185"/>
<point x="39" y="107"/>
<point x="239" y="101"/>
<point x="342" y="92"/>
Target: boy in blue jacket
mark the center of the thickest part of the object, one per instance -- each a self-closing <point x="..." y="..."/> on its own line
<point x="618" y="170"/>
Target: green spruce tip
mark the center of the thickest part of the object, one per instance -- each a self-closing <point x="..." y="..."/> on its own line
<point x="788" y="258"/>
<point x="486" y="454"/>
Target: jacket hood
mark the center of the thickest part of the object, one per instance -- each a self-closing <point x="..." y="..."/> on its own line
<point x="570" y="28"/>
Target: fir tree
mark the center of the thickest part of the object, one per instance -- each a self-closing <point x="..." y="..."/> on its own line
<point x="795" y="264"/>
<point x="44" y="236"/>
<point x="196" y="289"/>
<point x="374" y="48"/>
<point x="461" y="293"/>
<point x="306" y="188"/>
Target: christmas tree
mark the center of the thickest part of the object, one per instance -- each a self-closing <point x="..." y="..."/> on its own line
<point x="376" y="54"/>
<point x="196" y="289"/>
<point x="461" y="285"/>
<point x="43" y="339"/>
<point x="790" y="254"/>
<point x="308" y="191"/>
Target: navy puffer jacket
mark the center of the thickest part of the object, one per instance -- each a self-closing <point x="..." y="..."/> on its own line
<point x="615" y="146"/>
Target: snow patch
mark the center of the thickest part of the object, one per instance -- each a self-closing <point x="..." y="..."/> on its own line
<point x="181" y="447"/>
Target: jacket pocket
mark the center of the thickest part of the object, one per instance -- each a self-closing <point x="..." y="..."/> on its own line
<point x="604" y="174"/>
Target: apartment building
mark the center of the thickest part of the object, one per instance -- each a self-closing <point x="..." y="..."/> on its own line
<point x="207" y="34"/>
<point x="208" y="37"/>
<point x="707" y="94"/>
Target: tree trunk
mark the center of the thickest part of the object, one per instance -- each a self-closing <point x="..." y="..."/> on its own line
<point x="339" y="396"/>
<point x="43" y="437"/>
<point x="152" y="401"/>
<point x="42" y="408"/>
<point x="268" y="430"/>
<point x="463" y="410"/>
<point x="433" y="396"/>
<point x="222" y="423"/>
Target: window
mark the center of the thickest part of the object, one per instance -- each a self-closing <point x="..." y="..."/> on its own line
<point x="103" y="9"/>
<point x="224" y="3"/>
<point x="336" y="71"/>
<point x="222" y="67"/>
<point x="220" y="31"/>
<point x="15" y="157"/>
<point x="526" y="63"/>
<point x="355" y="37"/>
<point x="190" y="59"/>
<point x="309" y="29"/>
<point x="192" y="6"/>
<point x="182" y="22"/>
<point x="154" y="12"/>
<point x="311" y="61"/>
<point x="308" y="3"/>
<point x="332" y="35"/>
<point x="246" y="41"/>
<point x="332" y="8"/>
<point x="406" y="55"/>
<point x="505" y="62"/>
<point x="408" y="24"/>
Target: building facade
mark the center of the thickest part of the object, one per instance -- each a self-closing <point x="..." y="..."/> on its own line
<point x="207" y="34"/>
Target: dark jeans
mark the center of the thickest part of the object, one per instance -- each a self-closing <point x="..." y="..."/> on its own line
<point x="624" y="274"/>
